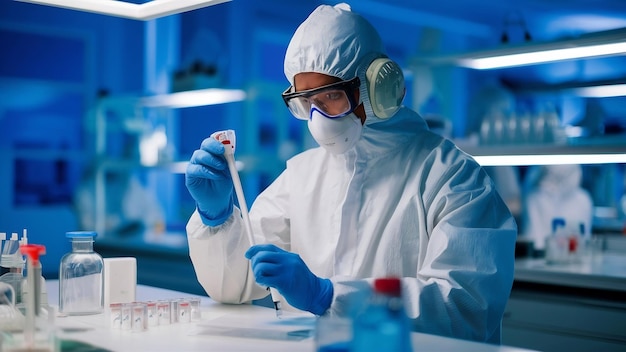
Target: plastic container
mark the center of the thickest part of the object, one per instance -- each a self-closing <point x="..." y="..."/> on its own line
<point x="12" y="264"/>
<point x="383" y="325"/>
<point x="81" y="279"/>
<point x="15" y="278"/>
<point x="10" y="317"/>
<point x="565" y="245"/>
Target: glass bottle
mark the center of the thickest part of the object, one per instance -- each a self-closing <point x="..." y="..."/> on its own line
<point x="383" y="324"/>
<point x="81" y="279"/>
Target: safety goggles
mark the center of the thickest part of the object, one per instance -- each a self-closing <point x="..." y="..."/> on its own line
<point x="333" y="100"/>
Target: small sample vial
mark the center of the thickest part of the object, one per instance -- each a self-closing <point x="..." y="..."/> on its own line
<point x="174" y="311"/>
<point x="153" y="315"/>
<point x="196" y="314"/>
<point x="115" y="315"/>
<point x="163" y="311"/>
<point x="138" y="317"/>
<point x="126" y="316"/>
<point x="184" y="311"/>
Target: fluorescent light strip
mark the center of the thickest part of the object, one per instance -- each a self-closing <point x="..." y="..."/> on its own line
<point x="192" y="98"/>
<point x="525" y="160"/>
<point x="613" y="90"/>
<point x="146" y="11"/>
<point x="537" y="57"/>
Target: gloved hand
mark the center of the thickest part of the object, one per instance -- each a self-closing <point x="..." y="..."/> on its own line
<point x="208" y="180"/>
<point x="286" y="272"/>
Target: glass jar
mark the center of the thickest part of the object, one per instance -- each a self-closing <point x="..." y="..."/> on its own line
<point x="81" y="279"/>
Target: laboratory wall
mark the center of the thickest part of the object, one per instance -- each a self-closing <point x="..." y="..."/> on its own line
<point x="53" y="64"/>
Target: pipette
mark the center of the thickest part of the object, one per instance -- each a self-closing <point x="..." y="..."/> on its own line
<point x="227" y="138"/>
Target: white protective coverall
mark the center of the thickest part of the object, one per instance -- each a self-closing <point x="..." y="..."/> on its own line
<point x="402" y="202"/>
<point x="555" y="192"/>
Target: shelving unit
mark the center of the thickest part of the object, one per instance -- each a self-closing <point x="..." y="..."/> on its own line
<point x="131" y="111"/>
<point x="584" y="151"/>
<point x="598" y="145"/>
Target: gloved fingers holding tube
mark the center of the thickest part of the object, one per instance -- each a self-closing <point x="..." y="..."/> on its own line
<point x="208" y="180"/>
<point x="287" y="272"/>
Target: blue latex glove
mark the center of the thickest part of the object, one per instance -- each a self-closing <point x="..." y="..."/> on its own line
<point x="208" y="180"/>
<point x="286" y="272"/>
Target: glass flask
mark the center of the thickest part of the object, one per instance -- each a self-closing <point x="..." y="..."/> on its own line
<point x="81" y="279"/>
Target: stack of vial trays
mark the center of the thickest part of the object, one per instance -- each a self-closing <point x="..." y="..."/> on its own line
<point x="140" y="316"/>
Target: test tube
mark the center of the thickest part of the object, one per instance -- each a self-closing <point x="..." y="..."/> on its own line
<point x="184" y="311"/>
<point x="153" y="315"/>
<point x="115" y="315"/>
<point x="126" y="316"/>
<point x="196" y="314"/>
<point x="163" y="311"/>
<point x="174" y="310"/>
<point x="139" y="317"/>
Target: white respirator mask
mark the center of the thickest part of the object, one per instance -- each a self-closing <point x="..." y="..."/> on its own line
<point x="336" y="135"/>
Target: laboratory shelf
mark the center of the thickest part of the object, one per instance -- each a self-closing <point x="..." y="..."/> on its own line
<point x="175" y="167"/>
<point x="600" y="150"/>
<point x="41" y="86"/>
<point x="46" y="154"/>
<point x="600" y="145"/>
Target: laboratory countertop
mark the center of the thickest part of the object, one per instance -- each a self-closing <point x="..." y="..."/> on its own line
<point x="605" y="271"/>
<point x="223" y="328"/>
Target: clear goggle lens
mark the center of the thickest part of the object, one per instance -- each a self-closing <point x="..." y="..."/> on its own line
<point x="333" y="101"/>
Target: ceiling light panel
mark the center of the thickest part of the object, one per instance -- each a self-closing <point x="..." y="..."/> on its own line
<point x="145" y="11"/>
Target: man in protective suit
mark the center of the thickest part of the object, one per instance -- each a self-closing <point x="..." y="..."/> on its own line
<point x="382" y="196"/>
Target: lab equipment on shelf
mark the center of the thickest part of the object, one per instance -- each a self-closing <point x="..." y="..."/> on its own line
<point x="228" y="139"/>
<point x="81" y="280"/>
<point x="544" y="127"/>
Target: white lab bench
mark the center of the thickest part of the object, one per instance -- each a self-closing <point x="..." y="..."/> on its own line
<point x="224" y="328"/>
<point x="568" y="307"/>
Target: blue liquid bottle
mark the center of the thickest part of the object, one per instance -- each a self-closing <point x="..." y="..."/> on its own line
<point x="383" y="325"/>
